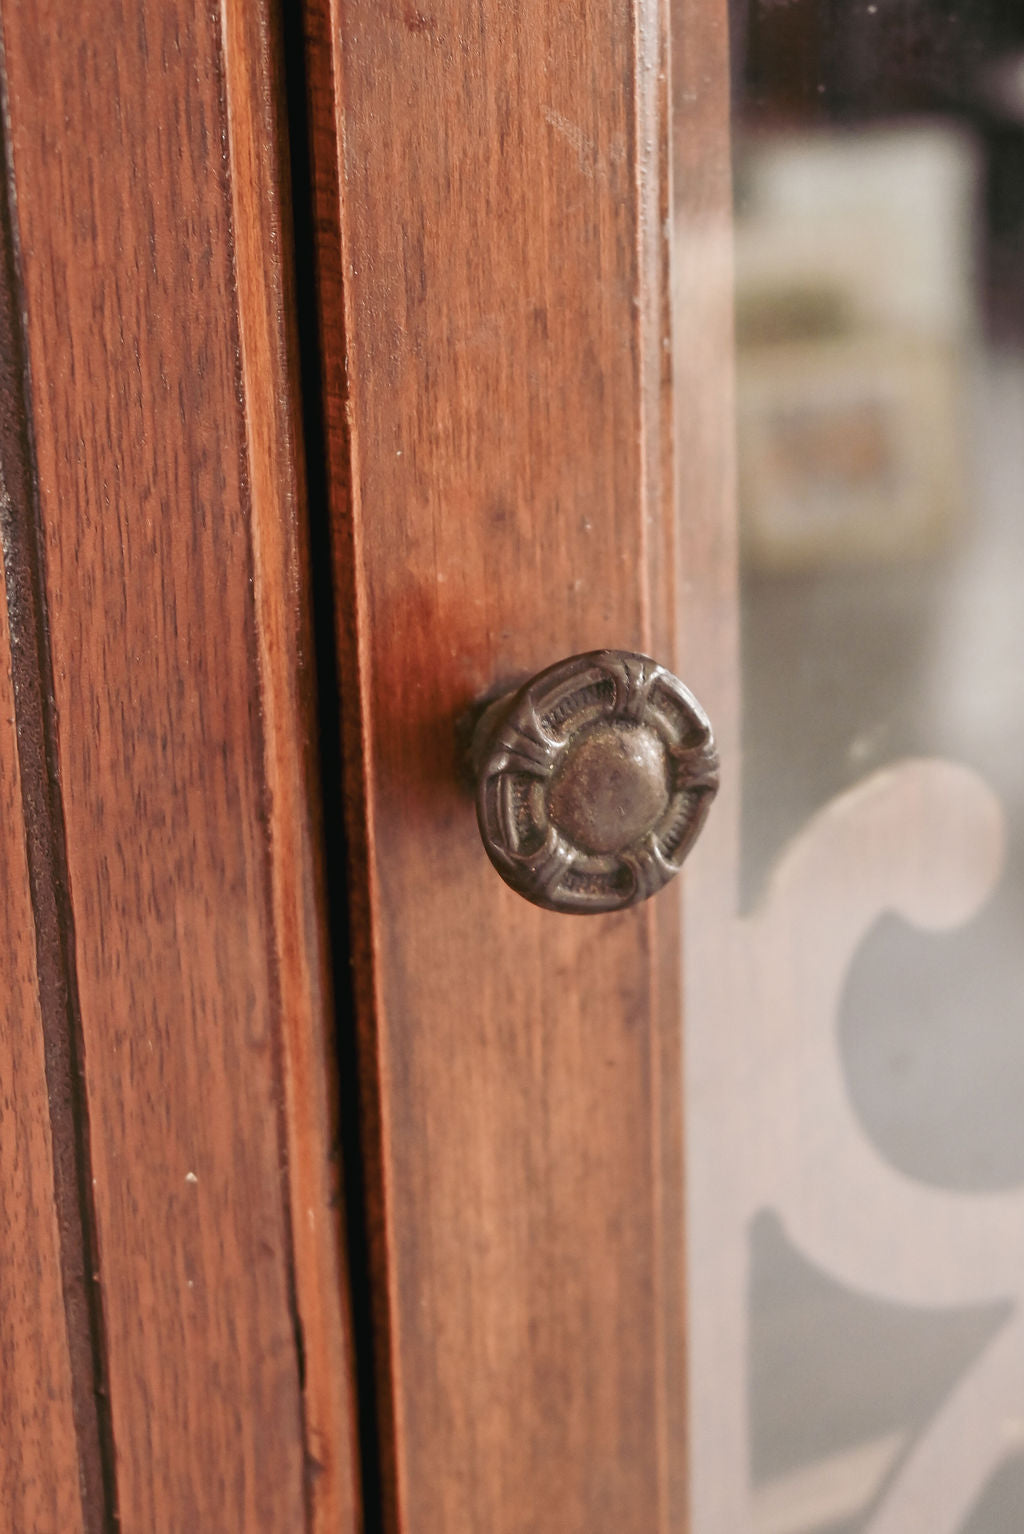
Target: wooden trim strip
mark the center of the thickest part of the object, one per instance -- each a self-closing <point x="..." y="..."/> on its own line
<point x="323" y="41"/>
<point x="32" y="675"/>
<point x="493" y="308"/>
<point x="149" y="158"/>
<point x="260" y="186"/>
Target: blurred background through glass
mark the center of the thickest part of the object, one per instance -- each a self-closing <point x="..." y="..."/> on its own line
<point x="878" y="160"/>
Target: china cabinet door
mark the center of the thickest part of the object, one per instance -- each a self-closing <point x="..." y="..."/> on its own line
<point x="535" y="446"/>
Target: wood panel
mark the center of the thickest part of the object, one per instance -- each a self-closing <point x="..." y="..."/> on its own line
<point x="149" y="165"/>
<point x="491" y="201"/>
<point x="58" y="1465"/>
<point x="39" y="1452"/>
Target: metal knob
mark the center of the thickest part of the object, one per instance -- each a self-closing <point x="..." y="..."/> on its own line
<point x="593" y="781"/>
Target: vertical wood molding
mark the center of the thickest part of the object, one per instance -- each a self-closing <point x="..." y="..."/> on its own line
<point x="490" y="206"/>
<point x="51" y="1478"/>
<point x="61" y="1473"/>
<point x="257" y="137"/>
<point x="147" y="156"/>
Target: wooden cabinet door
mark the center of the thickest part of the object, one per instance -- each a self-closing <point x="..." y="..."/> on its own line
<point x="491" y="195"/>
<point x="428" y="247"/>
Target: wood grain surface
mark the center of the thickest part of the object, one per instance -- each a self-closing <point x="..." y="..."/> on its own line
<point x="491" y="205"/>
<point x="45" y="1116"/>
<point x="39" y="1456"/>
<point x="148" y="168"/>
<point x="257" y="136"/>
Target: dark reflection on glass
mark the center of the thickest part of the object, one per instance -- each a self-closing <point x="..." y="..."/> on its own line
<point x="998" y="1509"/>
<point x="879" y="176"/>
<point x="841" y="1385"/>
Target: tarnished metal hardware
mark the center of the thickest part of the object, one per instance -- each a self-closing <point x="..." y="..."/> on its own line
<point x="593" y="781"/>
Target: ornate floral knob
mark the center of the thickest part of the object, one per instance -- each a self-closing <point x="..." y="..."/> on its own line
<point x="593" y="781"/>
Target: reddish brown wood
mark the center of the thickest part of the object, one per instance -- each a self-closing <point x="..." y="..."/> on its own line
<point x="147" y="161"/>
<point x="491" y="205"/>
<point x="79" y="1475"/>
<point x="266" y="310"/>
<point x="39" y="1461"/>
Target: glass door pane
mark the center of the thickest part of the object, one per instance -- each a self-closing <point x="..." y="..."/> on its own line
<point x="855" y="968"/>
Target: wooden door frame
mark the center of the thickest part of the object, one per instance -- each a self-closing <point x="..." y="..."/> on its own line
<point x="492" y="205"/>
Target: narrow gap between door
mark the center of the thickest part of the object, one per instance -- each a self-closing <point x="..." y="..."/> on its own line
<point x="354" y="1171"/>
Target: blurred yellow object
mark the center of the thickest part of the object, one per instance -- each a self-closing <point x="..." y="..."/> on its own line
<point x="854" y="321"/>
<point x="850" y="449"/>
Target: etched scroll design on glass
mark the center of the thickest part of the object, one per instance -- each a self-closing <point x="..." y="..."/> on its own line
<point x="770" y="1126"/>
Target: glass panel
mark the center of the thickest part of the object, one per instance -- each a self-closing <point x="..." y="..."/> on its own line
<point x="855" y="1015"/>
